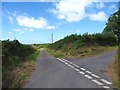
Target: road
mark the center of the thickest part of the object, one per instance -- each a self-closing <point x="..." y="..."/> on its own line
<point x="71" y="73"/>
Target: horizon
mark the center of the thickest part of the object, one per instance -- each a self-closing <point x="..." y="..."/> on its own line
<point x="32" y="23"/>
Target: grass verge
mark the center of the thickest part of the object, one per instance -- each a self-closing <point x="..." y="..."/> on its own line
<point x="114" y="70"/>
<point x="81" y="52"/>
<point x="17" y="77"/>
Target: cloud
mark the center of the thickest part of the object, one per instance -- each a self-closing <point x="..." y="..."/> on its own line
<point x="112" y="7"/>
<point x="10" y="33"/>
<point x="100" y="16"/>
<point x="51" y="27"/>
<point x="31" y="30"/>
<point x="71" y="11"/>
<point x="77" y="31"/>
<point x="74" y="11"/>
<point x="10" y="19"/>
<point x="20" y="31"/>
<point x="100" y="5"/>
<point x="11" y="16"/>
<point x="28" y="29"/>
<point x="31" y="22"/>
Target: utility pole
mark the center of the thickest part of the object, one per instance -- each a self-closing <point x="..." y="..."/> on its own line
<point x="52" y="37"/>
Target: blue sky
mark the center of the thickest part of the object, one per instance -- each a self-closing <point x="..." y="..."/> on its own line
<point x="33" y="22"/>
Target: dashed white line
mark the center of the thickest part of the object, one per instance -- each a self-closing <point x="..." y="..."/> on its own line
<point x="82" y="73"/>
<point x="59" y="59"/>
<point x="89" y="72"/>
<point x="68" y="64"/>
<point x="106" y="87"/>
<point x="83" y="69"/>
<point x="76" y="69"/>
<point x="95" y="75"/>
<point x="71" y="63"/>
<point x="64" y="59"/>
<point x="71" y="66"/>
<point x="97" y="82"/>
<point x="105" y="81"/>
<point x="89" y="77"/>
<point x="76" y="65"/>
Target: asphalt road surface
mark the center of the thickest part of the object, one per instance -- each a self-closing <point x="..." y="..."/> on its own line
<point x="71" y="73"/>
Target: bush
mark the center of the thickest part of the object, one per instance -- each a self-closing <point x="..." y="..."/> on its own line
<point x="77" y="41"/>
<point x="14" y="53"/>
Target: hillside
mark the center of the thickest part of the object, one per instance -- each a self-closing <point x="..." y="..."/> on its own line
<point x="82" y="45"/>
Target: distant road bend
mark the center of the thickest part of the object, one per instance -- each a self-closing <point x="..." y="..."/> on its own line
<point x="67" y="73"/>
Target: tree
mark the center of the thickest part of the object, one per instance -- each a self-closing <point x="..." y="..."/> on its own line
<point x="113" y="23"/>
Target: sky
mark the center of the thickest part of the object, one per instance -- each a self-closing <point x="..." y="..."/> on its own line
<point x="33" y="22"/>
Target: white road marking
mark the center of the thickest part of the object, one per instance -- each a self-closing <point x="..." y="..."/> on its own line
<point x="97" y="82"/>
<point x="105" y="81"/>
<point x="95" y="75"/>
<point x="59" y="59"/>
<point x="66" y="63"/>
<point x="76" y="69"/>
<point x="76" y="65"/>
<point x="71" y="63"/>
<point x="89" y="77"/>
<point x="83" y="69"/>
<point x="82" y="73"/>
<point x="106" y="87"/>
<point x="89" y="72"/>
<point x="64" y="59"/>
<point x="71" y="66"/>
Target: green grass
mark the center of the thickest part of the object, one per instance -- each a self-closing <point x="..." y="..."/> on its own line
<point x="28" y="68"/>
<point x="81" y="52"/>
<point x="55" y="53"/>
<point x="16" y="77"/>
<point x="34" y="56"/>
<point x="114" y="70"/>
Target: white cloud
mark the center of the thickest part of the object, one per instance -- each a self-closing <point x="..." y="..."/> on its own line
<point x="12" y="13"/>
<point x="112" y="7"/>
<point x="31" y="30"/>
<point x="31" y="22"/>
<point x="20" y="31"/>
<point x="101" y="16"/>
<point x="51" y="27"/>
<point x="28" y="29"/>
<point x="10" y="19"/>
<point x="71" y="10"/>
<point x="11" y="16"/>
<point x="100" y="5"/>
<point x="10" y="33"/>
<point x="77" y="31"/>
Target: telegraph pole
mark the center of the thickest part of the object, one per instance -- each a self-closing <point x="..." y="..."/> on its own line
<point x="52" y="37"/>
